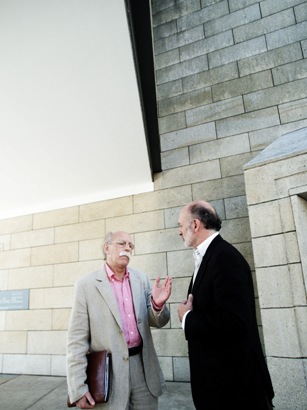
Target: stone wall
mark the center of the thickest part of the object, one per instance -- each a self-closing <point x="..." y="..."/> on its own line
<point x="276" y="188"/>
<point x="231" y="78"/>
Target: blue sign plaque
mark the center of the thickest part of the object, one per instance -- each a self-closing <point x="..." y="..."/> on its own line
<point x="14" y="299"/>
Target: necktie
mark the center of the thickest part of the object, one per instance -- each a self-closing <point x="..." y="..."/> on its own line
<point x="197" y="261"/>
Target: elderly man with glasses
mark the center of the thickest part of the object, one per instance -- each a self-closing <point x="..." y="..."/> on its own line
<point x="114" y="308"/>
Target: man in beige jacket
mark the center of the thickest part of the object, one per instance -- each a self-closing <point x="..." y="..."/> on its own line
<point x="114" y="308"/>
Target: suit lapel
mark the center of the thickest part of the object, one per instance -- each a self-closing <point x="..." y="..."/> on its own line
<point x="105" y="289"/>
<point x="202" y="268"/>
<point x="135" y="290"/>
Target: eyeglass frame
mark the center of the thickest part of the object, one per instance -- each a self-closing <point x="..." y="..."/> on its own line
<point x="122" y="244"/>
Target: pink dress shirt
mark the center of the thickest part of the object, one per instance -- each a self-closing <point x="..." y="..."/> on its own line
<point x="123" y="295"/>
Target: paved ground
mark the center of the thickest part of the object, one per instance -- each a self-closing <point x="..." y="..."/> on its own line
<point x="23" y="392"/>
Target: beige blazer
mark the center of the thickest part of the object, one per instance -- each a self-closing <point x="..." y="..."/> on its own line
<point x="95" y="324"/>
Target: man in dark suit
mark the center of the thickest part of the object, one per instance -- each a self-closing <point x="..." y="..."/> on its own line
<point x="227" y="365"/>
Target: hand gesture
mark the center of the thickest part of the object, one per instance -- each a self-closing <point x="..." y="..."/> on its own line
<point x="161" y="292"/>
<point x="185" y="306"/>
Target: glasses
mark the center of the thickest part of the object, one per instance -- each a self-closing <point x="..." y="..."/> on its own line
<point x="122" y="244"/>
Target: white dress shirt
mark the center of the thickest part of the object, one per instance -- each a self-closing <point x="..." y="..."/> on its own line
<point x="198" y="254"/>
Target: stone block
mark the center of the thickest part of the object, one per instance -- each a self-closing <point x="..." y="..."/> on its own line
<point x="166" y="364"/>
<point x="15" y="259"/>
<point x="246" y="122"/>
<point x="58" y="365"/>
<point x="182" y="69"/>
<point x="241" y="86"/>
<point x="106" y="209"/>
<point x="51" y="298"/>
<point x="189" y="174"/>
<point x="179" y="39"/>
<point x="264" y="251"/>
<point x="274" y="6"/>
<point x="80" y="231"/>
<point x="232" y="20"/>
<point x="215" y="111"/>
<point x="57" y="217"/>
<point x="287" y="35"/>
<point x="172" y="123"/>
<point x="276" y="95"/>
<point x="30" y="278"/>
<point x="26" y="364"/>
<point x="297" y="283"/>
<point x="236" y="207"/>
<point x="19" y="320"/>
<point x="188" y="136"/>
<point x="2" y="323"/>
<point x="136" y="222"/>
<point x="165" y="30"/>
<point x="290" y="72"/>
<point x="288" y="377"/>
<point x="206" y="13"/>
<point x="59" y="253"/>
<point x="220" y="148"/>
<point x="60" y="319"/>
<point x="171" y="217"/>
<point x="304" y="47"/>
<point x="170" y="342"/>
<point x="260" y="139"/>
<point x="235" y="5"/>
<point x="53" y="342"/>
<point x="160" y="5"/>
<point x="13" y="342"/>
<point x="18" y="224"/>
<point x="175" y="322"/>
<point x="268" y="212"/>
<point x="210" y="77"/>
<point x="170" y="89"/>
<point x="264" y="25"/>
<point x="180" y="287"/>
<point x="166" y="198"/>
<point x="153" y="265"/>
<point x="293" y="111"/>
<point x="174" y="11"/>
<point x="4" y="279"/>
<point x="281" y="333"/>
<point x="180" y="263"/>
<point x="91" y="249"/>
<point x="301" y="12"/>
<point x="236" y="230"/>
<point x="184" y="102"/>
<point x="219" y="188"/>
<point x="181" y="369"/>
<point x="67" y="274"/>
<point x="175" y="158"/>
<point x="233" y="165"/>
<point x="301" y="317"/>
<point x="158" y="241"/>
<point x="5" y="243"/>
<point x="29" y="239"/>
<point x="237" y="52"/>
<point x="206" y="45"/>
<point x="274" y="287"/>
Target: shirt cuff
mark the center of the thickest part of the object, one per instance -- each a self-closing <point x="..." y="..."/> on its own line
<point x="155" y="307"/>
<point x="183" y="319"/>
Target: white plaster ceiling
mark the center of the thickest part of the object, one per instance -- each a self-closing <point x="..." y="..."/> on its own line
<point x="71" y="127"/>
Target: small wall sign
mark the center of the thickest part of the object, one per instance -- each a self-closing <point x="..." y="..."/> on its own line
<point x="14" y="299"/>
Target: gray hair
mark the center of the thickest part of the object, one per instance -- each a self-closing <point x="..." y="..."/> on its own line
<point x="107" y="238"/>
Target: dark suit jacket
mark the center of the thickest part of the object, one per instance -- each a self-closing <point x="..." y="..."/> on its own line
<point x="226" y="360"/>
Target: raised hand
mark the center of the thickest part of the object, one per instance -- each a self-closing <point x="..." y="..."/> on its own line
<point x="161" y="292"/>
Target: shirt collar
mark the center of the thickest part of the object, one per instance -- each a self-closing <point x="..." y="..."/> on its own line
<point x="202" y="247"/>
<point x="111" y="274"/>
